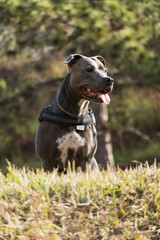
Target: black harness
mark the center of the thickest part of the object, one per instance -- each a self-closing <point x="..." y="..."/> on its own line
<point x="64" y="119"/>
<point x="79" y="122"/>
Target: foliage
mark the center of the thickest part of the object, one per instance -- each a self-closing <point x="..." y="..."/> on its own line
<point x="108" y="205"/>
<point x="36" y="35"/>
<point x="136" y="108"/>
<point x="136" y="152"/>
<point x="135" y="124"/>
<point x="125" y="32"/>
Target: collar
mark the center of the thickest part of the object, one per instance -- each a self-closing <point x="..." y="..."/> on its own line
<point x="65" y="119"/>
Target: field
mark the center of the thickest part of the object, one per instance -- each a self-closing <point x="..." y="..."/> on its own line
<point x="104" y="205"/>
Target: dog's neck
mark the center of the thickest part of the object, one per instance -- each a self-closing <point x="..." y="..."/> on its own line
<point x="68" y="101"/>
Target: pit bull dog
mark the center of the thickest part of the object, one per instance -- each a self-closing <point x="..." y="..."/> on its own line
<point x="67" y="132"/>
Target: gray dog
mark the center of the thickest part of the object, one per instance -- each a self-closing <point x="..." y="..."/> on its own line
<point x="67" y="130"/>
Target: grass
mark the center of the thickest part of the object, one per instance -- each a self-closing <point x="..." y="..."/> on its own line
<point x="104" y="205"/>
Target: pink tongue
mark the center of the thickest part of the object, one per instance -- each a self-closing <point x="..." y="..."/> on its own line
<point x="105" y="98"/>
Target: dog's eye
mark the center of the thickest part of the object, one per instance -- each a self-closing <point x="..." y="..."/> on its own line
<point x="105" y="70"/>
<point x="90" y="69"/>
<point x="100" y="68"/>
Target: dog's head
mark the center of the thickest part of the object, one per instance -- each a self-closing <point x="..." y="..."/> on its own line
<point x="88" y="76"/>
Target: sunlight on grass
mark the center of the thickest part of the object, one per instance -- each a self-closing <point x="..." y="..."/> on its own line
<point x="101" y="205"/>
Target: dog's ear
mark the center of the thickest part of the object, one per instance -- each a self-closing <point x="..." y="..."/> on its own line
<point x="72" y="59"/>
<point x="101" y="59"/>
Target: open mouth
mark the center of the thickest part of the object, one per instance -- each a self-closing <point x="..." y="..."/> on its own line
<point x="97" y="96"/>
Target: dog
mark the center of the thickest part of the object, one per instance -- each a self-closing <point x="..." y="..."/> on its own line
<point x="67" y="132"/>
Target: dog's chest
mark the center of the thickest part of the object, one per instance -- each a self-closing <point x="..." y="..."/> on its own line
<point x="74" y="142"/>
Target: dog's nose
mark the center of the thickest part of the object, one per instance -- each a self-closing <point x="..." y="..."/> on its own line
<point x="109" y="80"/>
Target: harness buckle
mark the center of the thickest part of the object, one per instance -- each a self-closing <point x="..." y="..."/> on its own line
<point x="80" y="127"/>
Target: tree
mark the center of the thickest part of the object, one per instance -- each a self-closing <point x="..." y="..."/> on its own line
<point x="104" y="155"/>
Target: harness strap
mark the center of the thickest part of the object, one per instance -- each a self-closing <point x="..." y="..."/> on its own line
<point x="65" y="119"/>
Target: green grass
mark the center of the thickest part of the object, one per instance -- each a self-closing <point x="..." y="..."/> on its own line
<point x="103" y="205"/>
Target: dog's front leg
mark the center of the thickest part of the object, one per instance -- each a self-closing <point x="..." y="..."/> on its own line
<point x="93" y="165"/>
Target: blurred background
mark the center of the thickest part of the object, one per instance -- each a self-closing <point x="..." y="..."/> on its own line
<point x="36" y="36"/>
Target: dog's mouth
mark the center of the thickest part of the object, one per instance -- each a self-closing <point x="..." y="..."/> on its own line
<point x="97" y="96"/>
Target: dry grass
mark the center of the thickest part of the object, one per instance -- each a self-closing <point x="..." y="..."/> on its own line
<point x="104" y="205"/>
